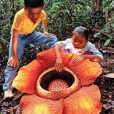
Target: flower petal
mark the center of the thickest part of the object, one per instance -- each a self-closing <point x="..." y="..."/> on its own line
<point x="48" y="57"/>
<point x="85" y="101"/>
<point x="27" y="76"/>
<point x="32" y="104"/>
<point x="87" y="71"/>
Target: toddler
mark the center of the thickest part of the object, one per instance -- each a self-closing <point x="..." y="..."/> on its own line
<point x="79" y="45"/>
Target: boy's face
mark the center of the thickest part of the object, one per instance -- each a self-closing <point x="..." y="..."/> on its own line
<point x="34" y="13"/>
<point x="78" y="40"/>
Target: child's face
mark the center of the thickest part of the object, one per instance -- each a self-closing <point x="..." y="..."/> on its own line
<point x="34" y="13"/>
<point x="78" y="40"/>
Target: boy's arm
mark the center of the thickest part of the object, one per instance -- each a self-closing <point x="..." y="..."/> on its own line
<point x="59" y="63"/>
<point x="45" y="27"/>
<point x="13" y="61"/>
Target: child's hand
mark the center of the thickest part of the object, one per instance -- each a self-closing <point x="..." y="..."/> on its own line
<point x="13" y="62"/>
<point x="78" y="60"/>
<point x="59" y="65"/>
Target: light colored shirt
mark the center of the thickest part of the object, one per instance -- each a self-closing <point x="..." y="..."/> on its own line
<point x="67" y="46"/>
<point x="23" y="24"/>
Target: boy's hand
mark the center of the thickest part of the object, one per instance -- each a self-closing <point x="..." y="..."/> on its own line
<point x="48" y="34"/>
<point x="59" y="65"/>
<point x="13" y="62"/>
<point x="78" y="60"/>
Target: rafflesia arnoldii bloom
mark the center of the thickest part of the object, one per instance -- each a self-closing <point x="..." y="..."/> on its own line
<point x="52" y="92"/>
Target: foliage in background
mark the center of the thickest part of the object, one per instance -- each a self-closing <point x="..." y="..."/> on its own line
<point x="107" y="30"/>
<point x="63" y="17"/>
<point x="7" y="10"/>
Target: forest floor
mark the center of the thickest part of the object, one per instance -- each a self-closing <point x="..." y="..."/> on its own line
<point x="106" y="85"/>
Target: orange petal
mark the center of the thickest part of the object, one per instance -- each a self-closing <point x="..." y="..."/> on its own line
<point x="49" y="58"/>
<point x="87" y="71"/>
<point x="85" y="101"/>
<point x="27" y="76"/>
<point x="32" y="104"/>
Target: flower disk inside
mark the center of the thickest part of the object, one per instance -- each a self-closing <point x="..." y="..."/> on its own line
<point x="57" y="85"/>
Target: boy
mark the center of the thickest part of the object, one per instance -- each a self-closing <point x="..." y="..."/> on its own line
<point x="23" y="32"/>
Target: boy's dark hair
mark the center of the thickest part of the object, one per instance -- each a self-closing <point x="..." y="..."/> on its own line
<point x="82" y="30"/>
<point x="34" y="3"/>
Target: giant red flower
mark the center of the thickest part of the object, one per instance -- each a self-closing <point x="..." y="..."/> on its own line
<point x="55" y="92"/>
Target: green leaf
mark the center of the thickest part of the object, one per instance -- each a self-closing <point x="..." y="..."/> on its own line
<point x="112" y="25"/>
<point x="96" y="34"/>
<point x="1" y="51"/>
<point x="110" y="37"/>
<point x="107" y="42"/>
<point x="88" y="8"/>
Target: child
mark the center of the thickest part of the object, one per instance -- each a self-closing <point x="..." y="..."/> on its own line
<point x="23" y="32"/>
<point x="79" y="45"/>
